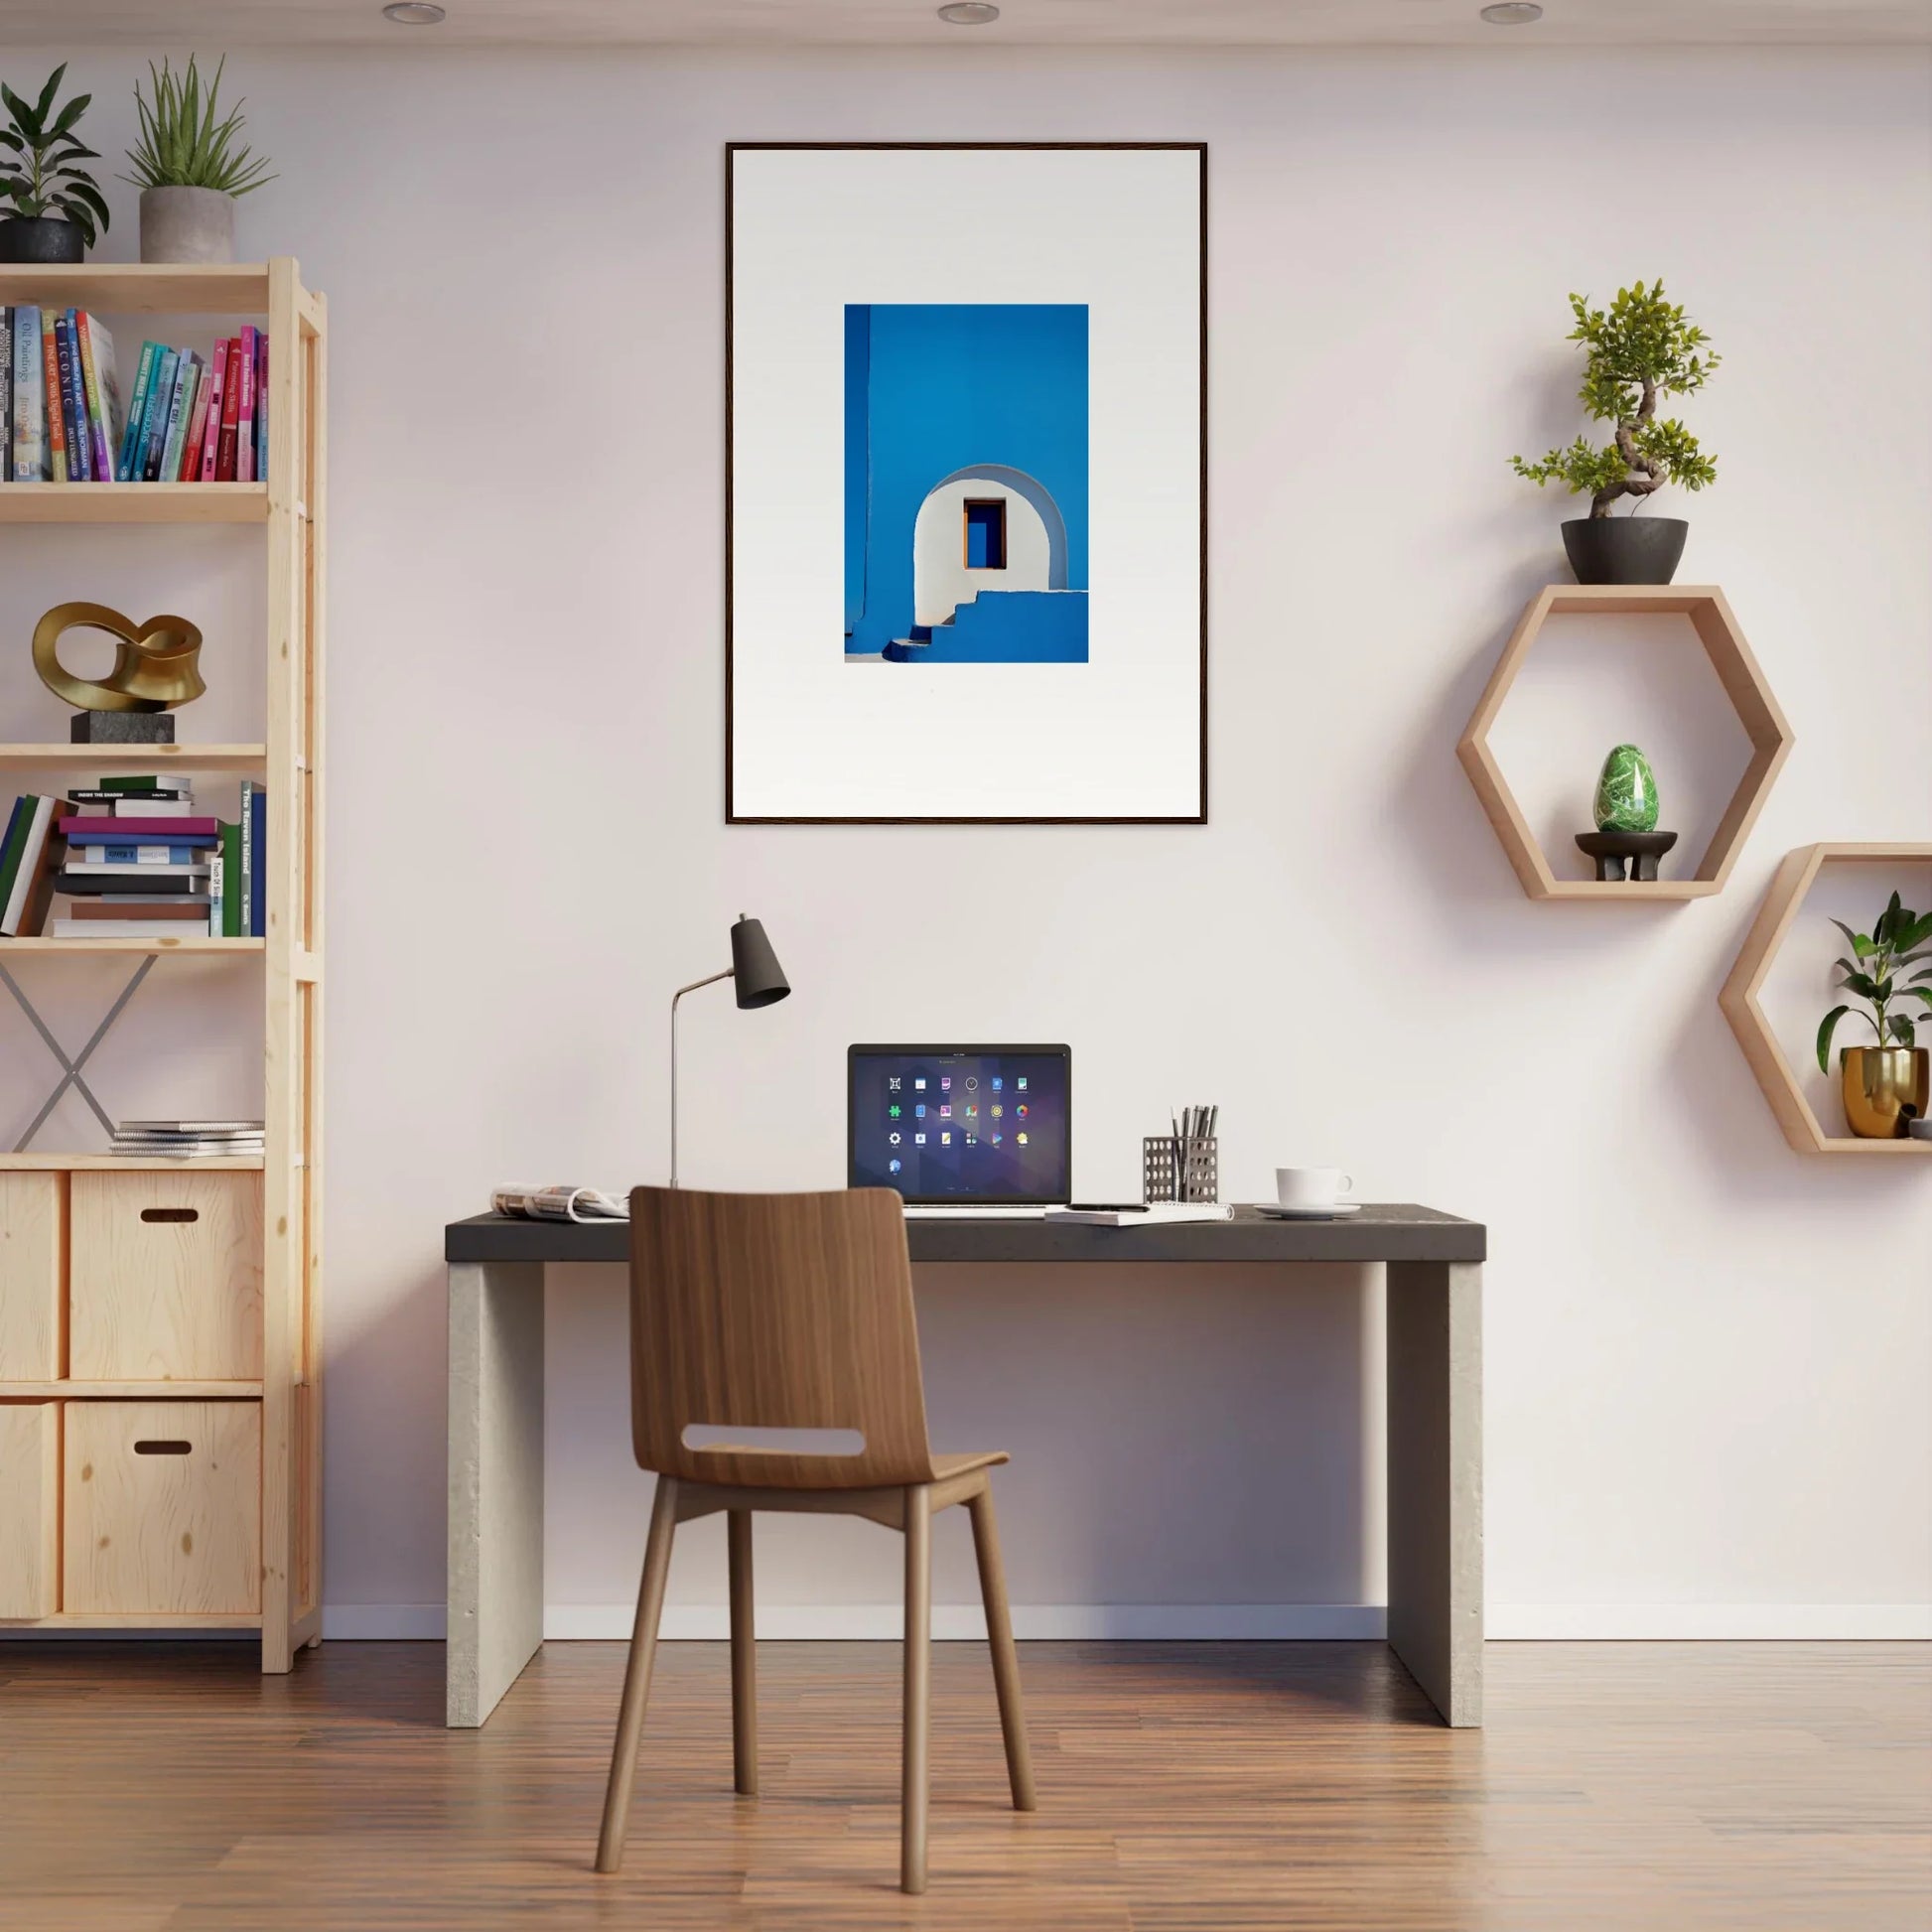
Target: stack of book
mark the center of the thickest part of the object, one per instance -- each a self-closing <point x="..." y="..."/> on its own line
<point x="189" y="419"/>
<point x="136" y="861"/>
<point x="186" y="1140"/>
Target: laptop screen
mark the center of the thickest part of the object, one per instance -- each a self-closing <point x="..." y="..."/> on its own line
<point x="986" y="1123"/>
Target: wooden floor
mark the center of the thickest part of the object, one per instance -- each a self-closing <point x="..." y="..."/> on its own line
<point x="1654" y="1786"/>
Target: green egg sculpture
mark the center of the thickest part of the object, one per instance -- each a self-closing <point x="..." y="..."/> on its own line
<point x="1626" y="792"/>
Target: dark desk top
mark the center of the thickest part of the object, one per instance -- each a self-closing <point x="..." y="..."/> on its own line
<point x="1386" y="1231"/>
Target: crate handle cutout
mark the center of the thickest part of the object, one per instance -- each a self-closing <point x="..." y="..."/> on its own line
<point x="743" y="1441"/>
<point x="152" y="1446"/>
<point x="170" y="1213"/>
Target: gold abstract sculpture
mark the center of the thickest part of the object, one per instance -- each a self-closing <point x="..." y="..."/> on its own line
<point x="154" y="662"/>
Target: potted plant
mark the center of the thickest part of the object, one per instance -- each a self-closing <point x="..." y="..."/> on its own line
<point x="1639" y="349"/>
<point x="1884" y="1085"/>
<point x="53" y="208"/>
<point x="188" y="168"/>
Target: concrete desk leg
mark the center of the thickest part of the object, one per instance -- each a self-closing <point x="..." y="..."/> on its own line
<point x="495" y="1587"/>
<point x="1435" y="1326"/>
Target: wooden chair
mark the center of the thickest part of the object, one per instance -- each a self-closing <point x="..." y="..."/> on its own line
<point x="793" y="1311"/>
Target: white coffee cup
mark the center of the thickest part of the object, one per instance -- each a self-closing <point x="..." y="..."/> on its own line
<point x="1311" y="1186"/>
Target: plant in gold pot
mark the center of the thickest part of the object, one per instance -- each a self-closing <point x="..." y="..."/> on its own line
<point x="1885" y="1085"/>
<point x="189" y="169"/>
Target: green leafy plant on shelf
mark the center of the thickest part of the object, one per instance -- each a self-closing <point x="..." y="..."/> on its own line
<point x="1637" y="350"/>
<point x="1899" y="939"/>
<point x="38" y="179"/>
<point x="183" y="145"/>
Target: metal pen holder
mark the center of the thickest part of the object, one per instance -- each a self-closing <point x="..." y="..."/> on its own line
<point x="1180" y="1170"/>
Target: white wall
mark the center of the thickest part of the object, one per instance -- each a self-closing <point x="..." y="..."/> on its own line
<point x="1707" y="1358"/>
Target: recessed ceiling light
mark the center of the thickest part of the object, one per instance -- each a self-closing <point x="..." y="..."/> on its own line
<point x="1512" y="13"/>
<point x="969" y="13"/>
<point x="413" y="13"/>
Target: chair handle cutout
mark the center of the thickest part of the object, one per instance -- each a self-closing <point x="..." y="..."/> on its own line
<point x="170" y="1213"/>
<point x="744" y="1440"/>
<point x="161" y="1447"/>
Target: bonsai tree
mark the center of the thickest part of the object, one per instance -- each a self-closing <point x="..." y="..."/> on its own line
<point x="183" y="145"/>
<point x="1899" y="939"/>
<point x="38" y="178"/>
<point x="1637" y="350"/>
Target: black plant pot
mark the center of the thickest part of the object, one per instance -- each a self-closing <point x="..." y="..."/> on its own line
<point x="40" y="238"/>
<point x="1624" y="549"/>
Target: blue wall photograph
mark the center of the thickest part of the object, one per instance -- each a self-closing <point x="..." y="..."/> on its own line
<point x="966" y="482"/>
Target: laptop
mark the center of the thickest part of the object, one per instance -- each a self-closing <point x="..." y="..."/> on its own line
<point x="982" y="1131"/>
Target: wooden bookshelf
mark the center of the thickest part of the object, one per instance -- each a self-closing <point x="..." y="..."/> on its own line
<point x="62" y="1201"/>
<point x="245" y="758"/>
<point x="134" y="503"/>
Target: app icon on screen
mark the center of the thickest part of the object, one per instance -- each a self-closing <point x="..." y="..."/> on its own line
<point x="894" y="1167"/>
<point x="894" y="1138"/>
<point x="893" y="1110"/>
<point x="918" y="1110"/>
<point x="1020" y="1083"/>
<point x="971" y="1141"/>
<point x="945" y="1083"/>
<point x="945" y="1140"/>
<point x="945" y="1113"/>
<point x="918" y="1084"/>
<point x="996" y="1139"/>
<point x="972" y="1112"/>
<point x="918" y="1140"/>
<point x="972" y="1080"/>
<point x="998" y="1110"/>
<point x="893" y="1083"/>
<point x="1021" y="1110"/>
<point x="997" y="1083"/>
<point x="1021" y="1137"/>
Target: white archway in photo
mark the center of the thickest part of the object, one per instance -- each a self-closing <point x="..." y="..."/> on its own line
<point x="1036" y="538"/>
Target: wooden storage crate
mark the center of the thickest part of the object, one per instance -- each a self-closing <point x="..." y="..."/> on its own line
<point x="160" y="1507"/>
<point x="33" y="1275"/>
<point x="30" y="1513"/>
<point x="166" y="1282"/>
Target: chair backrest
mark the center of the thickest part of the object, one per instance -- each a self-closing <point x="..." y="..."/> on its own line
<point x="774" y="1312"/>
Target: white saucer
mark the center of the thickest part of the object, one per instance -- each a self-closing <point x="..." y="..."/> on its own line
<point x="1273" y="1212"/>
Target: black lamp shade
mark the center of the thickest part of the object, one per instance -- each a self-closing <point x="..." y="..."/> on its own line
<point x="757" y="977"/>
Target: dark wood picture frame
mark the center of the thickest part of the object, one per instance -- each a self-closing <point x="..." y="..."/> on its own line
<point x="731" y="150"/>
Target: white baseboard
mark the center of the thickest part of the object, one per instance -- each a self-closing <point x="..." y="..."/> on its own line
<point x="1709" y="1622"/>
<point x="1197" y="1623"/>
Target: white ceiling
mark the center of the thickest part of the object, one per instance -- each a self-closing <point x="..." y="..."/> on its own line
<point x="1075" y="22"/>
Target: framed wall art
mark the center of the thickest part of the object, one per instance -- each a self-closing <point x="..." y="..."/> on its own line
<point x="966" y="482"/>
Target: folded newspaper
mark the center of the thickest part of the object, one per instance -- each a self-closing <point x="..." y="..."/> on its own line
<point x="560" y="1204"/>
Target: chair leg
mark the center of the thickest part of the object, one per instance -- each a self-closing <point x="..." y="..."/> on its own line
<point x="918" y="1688"/>
<point x="636" y="1676"/>
<point x="1005" y="1660"/>
<point x="744" y="1667"/>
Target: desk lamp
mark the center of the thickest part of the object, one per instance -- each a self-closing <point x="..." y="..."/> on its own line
<point x="759" y="981"/>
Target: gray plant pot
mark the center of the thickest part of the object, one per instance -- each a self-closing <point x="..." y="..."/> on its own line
<point x="1624" y="549"/>
<point x="187" y="225"/>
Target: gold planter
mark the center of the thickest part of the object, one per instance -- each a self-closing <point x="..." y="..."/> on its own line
<point x="1881" y="1084"/>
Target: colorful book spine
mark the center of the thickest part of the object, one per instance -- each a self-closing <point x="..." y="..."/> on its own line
<point x="33" y="882"/>
<point x="30" y="415"/>
<point x="230" y="416"/>
<point x="73" y="407"/>
<point x="257" y="846"/>
<point x="154" y="431"/>
<point x="179" y="412"/>
<point x="137" y="409"/>
<point x="189" y="465"/>
<point x="178" y="852"/>
<point x="217" y="371"/>
<point x="244" y="462"/>
<point x="56" y="427"/>
<point x="227" y="895"/>
<point x="6" y="395"/>
<point x="261" y="407"/>
<point x="98" y="377"/>
<point x="152" y="829"/>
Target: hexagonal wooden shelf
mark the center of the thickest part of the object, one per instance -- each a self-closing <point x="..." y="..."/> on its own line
<point x="1738" y="997"/>
<point x="1744" y="683"/>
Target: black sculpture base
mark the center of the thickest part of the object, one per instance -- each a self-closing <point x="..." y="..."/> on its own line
<point x="1612" y="850"/>
<point x="122" y="728"/>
